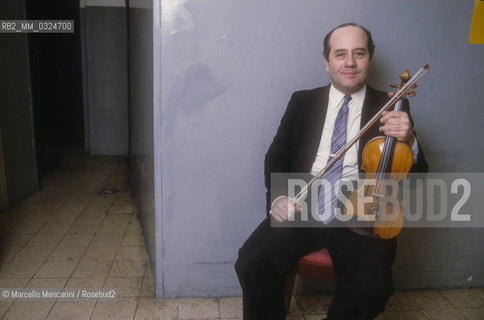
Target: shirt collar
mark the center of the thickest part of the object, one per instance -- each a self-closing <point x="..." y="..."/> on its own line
<point x="357" y="98"/>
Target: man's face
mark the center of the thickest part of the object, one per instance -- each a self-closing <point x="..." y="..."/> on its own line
<point x="349" y="59"/>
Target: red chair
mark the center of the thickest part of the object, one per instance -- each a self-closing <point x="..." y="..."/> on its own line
<point x="317" y="264"/>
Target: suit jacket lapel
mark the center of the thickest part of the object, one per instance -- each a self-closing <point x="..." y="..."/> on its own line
<point x="313" y="122"/>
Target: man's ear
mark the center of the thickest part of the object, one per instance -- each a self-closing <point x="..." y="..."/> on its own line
<point x="326" y="64"/>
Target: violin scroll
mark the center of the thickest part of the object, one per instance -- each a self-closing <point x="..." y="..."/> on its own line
<point x="404" y="77"/>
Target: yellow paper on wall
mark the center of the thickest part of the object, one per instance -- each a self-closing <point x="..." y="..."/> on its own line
<point x="476" y="35"/>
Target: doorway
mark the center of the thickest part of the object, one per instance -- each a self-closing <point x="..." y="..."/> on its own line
<point x="56" y="79"/>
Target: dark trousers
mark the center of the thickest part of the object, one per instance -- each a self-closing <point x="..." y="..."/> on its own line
<point x="363" y="267"/>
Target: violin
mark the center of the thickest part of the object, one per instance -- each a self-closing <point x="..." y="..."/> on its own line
<point x="385" y="161"/>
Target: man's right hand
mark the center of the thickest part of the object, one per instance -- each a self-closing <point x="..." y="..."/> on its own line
<point x="283" y="208"/>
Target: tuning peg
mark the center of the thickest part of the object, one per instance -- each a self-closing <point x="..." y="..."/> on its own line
<point x="404" y="77"/>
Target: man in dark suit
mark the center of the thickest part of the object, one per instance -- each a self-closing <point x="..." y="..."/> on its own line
<point x="314" y="122"/>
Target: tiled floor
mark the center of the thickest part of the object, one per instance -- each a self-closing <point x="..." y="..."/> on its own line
<point x="71" y="234"/>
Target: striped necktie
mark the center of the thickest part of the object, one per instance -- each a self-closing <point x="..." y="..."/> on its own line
<point x="327" y="198"/>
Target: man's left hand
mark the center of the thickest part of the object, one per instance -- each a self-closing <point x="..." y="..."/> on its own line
<point x="397" y="124"/>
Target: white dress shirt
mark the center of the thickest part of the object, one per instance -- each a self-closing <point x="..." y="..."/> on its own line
<point x="355" y="105"/>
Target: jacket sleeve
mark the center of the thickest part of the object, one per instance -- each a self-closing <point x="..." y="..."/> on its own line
<point x="278" y="158"/>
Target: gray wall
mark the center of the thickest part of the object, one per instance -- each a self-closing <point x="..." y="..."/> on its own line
<point x="104" y="45"/>
<point x="143" y="132"/>
<point x="228" y="69"/>
<point x="16" y="119"/>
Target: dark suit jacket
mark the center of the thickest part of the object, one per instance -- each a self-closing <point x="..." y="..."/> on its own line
<point x="296" y="143"/>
